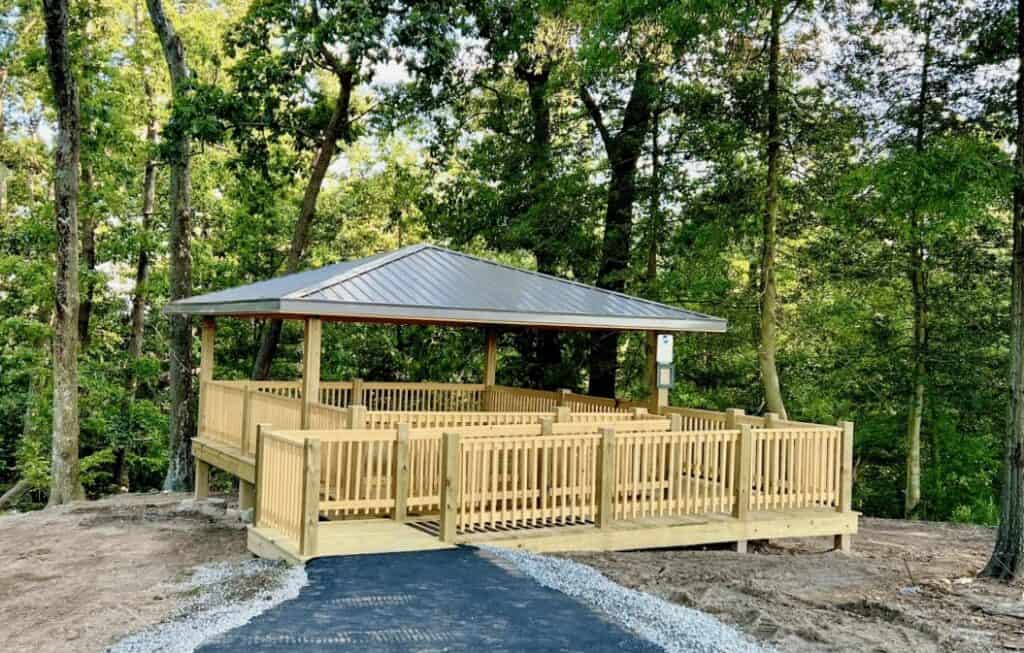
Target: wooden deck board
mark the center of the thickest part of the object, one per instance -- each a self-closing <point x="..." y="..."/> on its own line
<point x="343" y="538"/>
<point x="367" y="536"/>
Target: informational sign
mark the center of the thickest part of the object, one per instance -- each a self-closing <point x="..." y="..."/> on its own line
<point x="666" y="375"/>
<point x="664" y="354"/>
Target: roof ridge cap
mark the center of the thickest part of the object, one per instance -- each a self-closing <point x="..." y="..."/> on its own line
<point x="390" y="257"/>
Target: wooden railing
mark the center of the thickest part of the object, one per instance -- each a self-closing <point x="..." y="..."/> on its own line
<point x="426" y="419"/>
<point x="796" y="467"/>
<point x="549" y="474"/>
<point x="674" y="473"/>
<point x="221" y="417"/>
<point x="523" y="481"/>
<point x="505" y="398"/>
<point x="357" y="472"/>
<point x="281" y="487"/>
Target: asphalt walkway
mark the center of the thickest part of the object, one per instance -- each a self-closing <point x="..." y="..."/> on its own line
<point x="453" y="600"/>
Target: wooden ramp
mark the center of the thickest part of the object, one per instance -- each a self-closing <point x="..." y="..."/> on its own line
<point x="351" y="537"/>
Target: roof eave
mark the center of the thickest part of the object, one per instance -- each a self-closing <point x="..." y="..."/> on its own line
<point x="420" y="314"/>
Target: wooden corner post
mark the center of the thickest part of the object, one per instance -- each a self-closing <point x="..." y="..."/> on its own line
<point x="401" y="474"/>
<point x="844" y="541"/>
<point x="310" y="497"/>
<point x="258" y="490"/>
<point x="744" y="461"/>
<point x="310" y="367"/>
<point x="451" y="485"/>
<point x="490" y="368"/>
<point x="605" y="477"/>
<point x="358" y="397"/>
<point x="658" y="396"/>
<point x="732" y="416"/>
<point x="206" y="343"/>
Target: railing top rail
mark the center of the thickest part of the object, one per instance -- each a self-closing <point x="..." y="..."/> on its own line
<point x="426" y="385"/>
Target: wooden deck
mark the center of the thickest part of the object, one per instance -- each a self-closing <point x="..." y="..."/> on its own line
<point x="367" y="536"/>
<point x="345" y="538"/>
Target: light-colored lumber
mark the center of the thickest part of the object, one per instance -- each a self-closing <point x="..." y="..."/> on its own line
<point x="202" y="479"/>
<point x="310" y="497"/>
<point x="451" y="487"/>
<point x="401" y="473"/>
<point x="605" y="477"/>
<point x="490" y="356"/>
<point x="744" y="458"/>
<point x="310" y="367"/>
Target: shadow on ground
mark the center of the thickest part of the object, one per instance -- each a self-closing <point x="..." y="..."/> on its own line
<point x="452" y="600"/>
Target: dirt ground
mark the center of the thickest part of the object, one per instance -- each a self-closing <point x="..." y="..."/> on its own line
<point x="79" y="577"/>
<point x="908" y="586"/>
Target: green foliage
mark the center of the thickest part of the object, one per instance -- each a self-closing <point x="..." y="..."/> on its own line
<point x="469" y="129"/>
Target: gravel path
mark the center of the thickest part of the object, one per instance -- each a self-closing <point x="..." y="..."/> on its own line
<point x="675" y="628"/>
<point x="225" y="595"/>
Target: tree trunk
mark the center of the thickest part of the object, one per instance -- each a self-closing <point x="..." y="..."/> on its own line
<point x="1007" y="559"/>
<point x="541" y="349"/>
<point x="769" y="343"/>
<point x="88" y="236"/>
<point x="655" y="218"/>
<point x="623" y="152"/>
<point x="65" y="484"/>
<point x="919" y="293"/>
<point x="338" y="127"/>
<point x="182" y="426"/>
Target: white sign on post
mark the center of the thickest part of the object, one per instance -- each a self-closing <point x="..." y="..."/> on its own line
<point x="664" y="354"/>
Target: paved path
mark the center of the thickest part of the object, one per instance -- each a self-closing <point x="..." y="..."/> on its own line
<point x="456" y="600"/>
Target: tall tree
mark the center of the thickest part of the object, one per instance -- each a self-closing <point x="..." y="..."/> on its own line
<point x="331" y="49"/>
<point x="623" y="148"/>
<point x="65" y="484"/>
<point x="178" y="149"/>
<point x="768" y="344"/>
<point x="1007" y="559"/>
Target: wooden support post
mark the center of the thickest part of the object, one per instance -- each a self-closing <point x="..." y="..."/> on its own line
<point x="547" y="426"/>
<point x="658" y="396"/>
<point x="744" y="458"/>
<point x="563" y="414"/>
<point x="260" y="429"/>
<point x="490" y="356"/>
<point x="202" y="480"/>
<point x="310" y="367"/>
<point x="605" y="477"/>
<point x="562" y="399"/>
<point x="247" y="444"/>
<point x="451" y="485"/>
<point x="732" y="416"/>
<point x="206" y="343"/>
<point x="357" y="416"/>
<point x="358" y="397"/>
<point x="675" y="423"/>
<point x="844" y="542"/>
<point x="401" y="473"/>
<point x="246" y="495"/>
<point x="310" y="497"/>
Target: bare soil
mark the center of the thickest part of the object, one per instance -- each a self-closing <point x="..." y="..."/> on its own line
<point x="80" y="577"/>
<point x="907" y="586"/>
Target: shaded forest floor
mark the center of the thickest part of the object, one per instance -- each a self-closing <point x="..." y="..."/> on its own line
<point x="908" y="586"/>
<point x="80" y="577"/>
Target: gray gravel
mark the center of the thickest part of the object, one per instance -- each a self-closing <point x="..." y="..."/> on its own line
<point x="675" y="628"/>
<point x="214" y="599"/>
